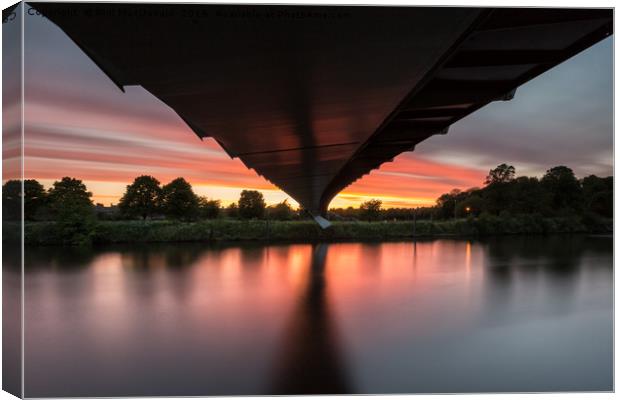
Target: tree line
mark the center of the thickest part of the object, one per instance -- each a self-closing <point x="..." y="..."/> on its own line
<point x="145" y="198"/>
<point x="557" y="193"/>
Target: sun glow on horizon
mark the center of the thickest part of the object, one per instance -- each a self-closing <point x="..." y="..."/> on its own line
<point x="109" y="193"/>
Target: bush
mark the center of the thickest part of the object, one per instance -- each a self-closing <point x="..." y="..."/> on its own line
<point x="80" y="231"/>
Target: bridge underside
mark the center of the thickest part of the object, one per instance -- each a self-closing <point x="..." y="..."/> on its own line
<point x="314" y="97"/>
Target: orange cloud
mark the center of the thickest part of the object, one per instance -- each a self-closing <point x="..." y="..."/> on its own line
<point x="411" y="180"/>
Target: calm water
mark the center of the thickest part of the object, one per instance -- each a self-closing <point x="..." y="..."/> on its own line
<point x="507" y="314"/>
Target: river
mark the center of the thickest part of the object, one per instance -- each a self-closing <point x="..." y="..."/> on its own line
<point x="446" y="315"/>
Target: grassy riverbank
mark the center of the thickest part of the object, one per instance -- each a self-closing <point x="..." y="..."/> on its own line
<point x="50" y="233"/>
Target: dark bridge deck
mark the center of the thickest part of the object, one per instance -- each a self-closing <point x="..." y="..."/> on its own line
<point x="313" y="98"/>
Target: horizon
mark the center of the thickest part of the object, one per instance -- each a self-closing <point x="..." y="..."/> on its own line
<point x="48" y="184"/>
<point x="77" y="117"/>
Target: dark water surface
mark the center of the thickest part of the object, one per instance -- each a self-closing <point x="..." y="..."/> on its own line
<point x="503" y="314"/>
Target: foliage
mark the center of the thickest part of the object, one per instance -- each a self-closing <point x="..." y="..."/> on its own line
<point x="447" y="203"/>
<point x="35" y="199"/>
<point x="598" y="195"/>
<point x="564" y="189"/>
<point x="527" y="196"/>
<point x="251" y="204"/>
<point x="208" y="209"/>
<point x="558" y="193"/>
<point x="11" y="200"/>
<point x="49" y="233"/>
<point x="281" y="211"/>
<point x="142" y="198"/>
<point x="470" y="206"/>
<point x="503" y="173"/>
<point x="371" y="210"/>
<point x="73" y="210"/>
<point x="69" y="191"/>
<point x="179" y="200"/>
<point x="505" y="204"/>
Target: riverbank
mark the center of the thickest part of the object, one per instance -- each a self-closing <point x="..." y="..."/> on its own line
<point x="51" y="233"/>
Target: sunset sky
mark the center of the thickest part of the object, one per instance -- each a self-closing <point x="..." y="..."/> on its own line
<point x="78" y="123"/>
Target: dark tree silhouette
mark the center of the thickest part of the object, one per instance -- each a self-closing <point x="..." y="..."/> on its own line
<point x="73" y="209"/>
<point x="503" y="173"/>
<point x="34" y="198"/>
<point x="526" y="196"/>
<point x="496" y="194"/>
<point x="599" y="195"/>
<point x="11" y="200"/>
<point x="69" y="193"/>
<point x="142" y="198"/>
<point x="251" y="204"/>
<point x="179" y="200"/>
<point x="446" y="203"/>
<point x="371" y="210"/>
<point x="557" y="194"/>
<point x="563" y="188"/>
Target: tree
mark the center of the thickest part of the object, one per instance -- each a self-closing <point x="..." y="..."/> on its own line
<point x="209" y="209"/>
<point x="371" y="210"/>
<point x="35" y="197"/>
<point x="281" y="211"/>
<point x="69" y="193"/>
<point x="598" y="194"/>
<point x="179" y="200"/>
<point x="497" y="194"/>
<point x="142" y="198"/>
<point x="503" y="173"/>
<point x="73" y="209"/>
<point x="251" y="204"/>
<point x="12" y="200"/>
<point x="563" y="188"/>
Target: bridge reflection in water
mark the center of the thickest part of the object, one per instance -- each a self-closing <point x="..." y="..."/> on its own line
<point x="311" y="362"/>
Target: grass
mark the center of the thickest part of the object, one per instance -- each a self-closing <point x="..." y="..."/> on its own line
<point x="51" y="233"/>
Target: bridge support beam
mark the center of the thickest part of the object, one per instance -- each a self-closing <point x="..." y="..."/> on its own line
<point x="323" y="223"/>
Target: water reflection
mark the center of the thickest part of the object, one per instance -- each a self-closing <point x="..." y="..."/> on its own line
<point x="11" y="317"/>
<point x="503" y="314"/>
<point x="311" y="362"/>
<point x="545" y="272"/>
